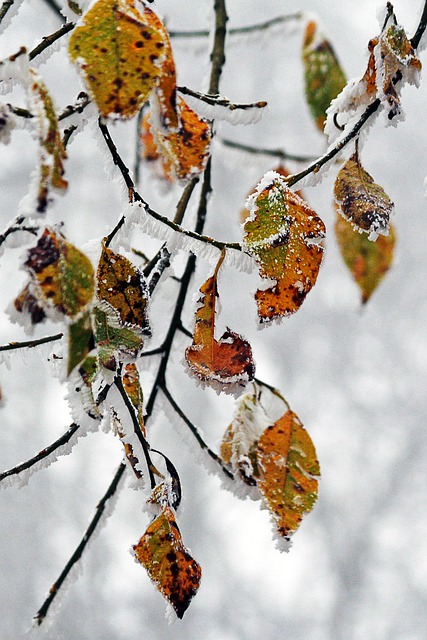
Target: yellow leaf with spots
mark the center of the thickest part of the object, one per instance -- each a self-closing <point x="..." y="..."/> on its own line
<point x="168" y="563"/>
<point x="283" y="234"/>
<point x="367" y="261"/>
<point x="220" y="363"/>
<point x="123" y="286"/>
<point x="120" y="52"/>
<point x="62" y="275"/>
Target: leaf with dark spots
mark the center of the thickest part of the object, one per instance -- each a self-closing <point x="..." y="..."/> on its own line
<point x="225" y="362"/>
<point x="282" y="233"/>
<point x="367" y="261"/>
<point x="122" y="285"/>
<point x="168" y="563"/>
<point x="361" y="200"/>
<point x="62" y="275"/>
<point x="27" y="304"/>
<point x="117" y="49"/>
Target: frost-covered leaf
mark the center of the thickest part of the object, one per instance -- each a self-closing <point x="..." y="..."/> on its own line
<point x="324" y="78"/>
<point x="363" y="202"/>
<point x="83" y="380"/>
<point x="168" y="563"/>
<point x="185" y="151"/>
<point x="120" y="52"/>
<point x="282" y="233"/>
<point x="123" y="287"/>
<point x="51" y="150"/>
<point x="80" y="341"/>
<point x="114" y="342"/>
<point x="275" y="456"/>
<point x="62" y="275"/>
<point x="132" y="386"/>
<point x="282" y="171"/>
<point x="227" y="361"/>
<point x="367" y="261"/>
<point x="7" y="123"/>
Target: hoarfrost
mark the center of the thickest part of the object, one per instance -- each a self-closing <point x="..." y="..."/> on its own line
<point x="234" y="114"/>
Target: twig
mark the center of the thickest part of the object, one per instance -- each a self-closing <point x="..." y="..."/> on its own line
<point x="48" y="40"/>
<point x="30" y="343"/>
<point x="422" y="25"/>
<point x="67" y="135"/>
<point x="81" y="103"/>
<point x="276" y="153"/>
<point x="55" y="7"/>
<point x="44" y="453"/>
<point x="16" y="226"/>
<point x="75" y="557"/>
<point x="221" y="101"/>
<point x="262" y="26"/>
<point x="137" y="429"/>
<point x="175" y="406"/>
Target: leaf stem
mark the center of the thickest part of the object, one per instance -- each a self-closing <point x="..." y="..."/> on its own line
<point x="75" y="557"/>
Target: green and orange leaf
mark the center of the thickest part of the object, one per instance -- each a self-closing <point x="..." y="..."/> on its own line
<point x="62" y="275"/>
<point x="132" y="386"/>
<point x="120" y="52"/>
<point x="114" y="342"/>
<point x="367" y="261"/>
<point x="324" y="77"/>
<point x="282" y="233"/>
<point x="361" y="200"/>
<point x="272" y="454"/>
<point x="221" y="363"/>
<point x="51" y="149"/>
<point x="168" y="563"/>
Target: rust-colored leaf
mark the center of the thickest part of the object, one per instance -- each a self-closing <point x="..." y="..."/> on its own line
<point x="63" y="276"/>
<point x="283" y="234"/>
<point x="168" y="563"/>
<point x="132" y="386"/>
<point x="361" y="200"/>
<point x="367" y="261"/>
<point x="120" y="52"/>
<point x="227" y="361"/>
<point x="123" y="286"/>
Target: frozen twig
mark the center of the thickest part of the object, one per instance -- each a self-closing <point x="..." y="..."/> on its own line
<point x="221" y="101"/>
<point x="276" y="153"/>
<point x="252" y="28"/>
<point x="30" y="343"/>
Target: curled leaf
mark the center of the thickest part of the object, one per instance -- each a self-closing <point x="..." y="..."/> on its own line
<point x="51" y="149"/>
<point x="324" y="78"/>
<point x="168" y="563"/>
<point x="367" y="261"/>
<point x="361" y="200"/>
<point x="283" y="234"/>
<point x="274" y="456"/>
<point x="120" y="52"/>
<point x="62" y="275"/>
<point x="227" y="361"/>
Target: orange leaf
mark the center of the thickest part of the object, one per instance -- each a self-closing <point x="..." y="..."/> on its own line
<point x="168" y="563"/>
<point x="226" y="361"/>
<point x="282" y="233"/>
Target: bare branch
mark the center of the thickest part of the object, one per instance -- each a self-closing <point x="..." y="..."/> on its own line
<point x="221" y="101"/>
<point x="30" y="343"/>
<point x="5" y="8"/>
<point x="48" y="40"/>
<point x="276" y="153"/>
<point x="253" y="28"/>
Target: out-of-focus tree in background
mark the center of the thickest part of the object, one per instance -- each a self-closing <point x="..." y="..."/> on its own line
<point x="355" y="374"/>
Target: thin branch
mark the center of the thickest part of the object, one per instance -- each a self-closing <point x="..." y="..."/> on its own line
<point x="44" y="453"/>
<point x="55" y="7"/>
<point x="262" y="26"/>
<point x="80" y="104"/>
<point x="185" y="331"/>
<point x="137" y="429"/>
<point x="48" y="40"/>
<point x="75" y="557"/>
<point x="221" y="101"/>
<point x="175" y="406"/>
<point x="30" y="343"/>
<point x="276" y="153"/>
<point x="415" y="40"/>
<point x="17" y="226"/>
<point x="67" y="135"/>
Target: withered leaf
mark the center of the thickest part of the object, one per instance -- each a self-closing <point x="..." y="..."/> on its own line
<point x="361" y="200"/>
<point x="27" y="304"/>
<point x="168" y="563"/>
<point x="51" y="149"/>
<point x="324" y="78"/>
<point x="123" y="287"/>
<point x="63" y="276"/>
<point x="367" y="261"/>
<point x="120" y="52"/>
<point x="283" y="234"/>
<point x="227" y="361"/>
